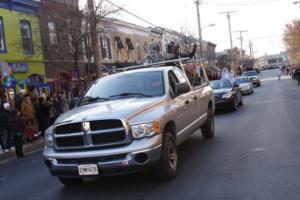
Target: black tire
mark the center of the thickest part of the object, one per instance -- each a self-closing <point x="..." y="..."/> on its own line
<point x="71" y="181"/>
<point x="208" y="129"/>
<point x="166" y="168"/>
<point x="235" y="105"/>
<point x="241" y="101"/>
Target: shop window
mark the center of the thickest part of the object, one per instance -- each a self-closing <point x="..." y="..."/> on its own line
<point x="2" y="39"/>
<point x="105" y="48"/>
<point x="26" y="37"/>
<point x="52" y="33"/>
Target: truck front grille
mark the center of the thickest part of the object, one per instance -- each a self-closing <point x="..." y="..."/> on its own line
<point x="92" y="134"/>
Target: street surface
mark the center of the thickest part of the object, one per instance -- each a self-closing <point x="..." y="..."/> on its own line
<point x="254" y="155"/>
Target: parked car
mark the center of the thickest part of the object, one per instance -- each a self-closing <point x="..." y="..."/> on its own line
<point x="245" y="84"/>
<point x="253" y="76"/>
<point x="129" y="122"/>
<point x="227" y="95"/>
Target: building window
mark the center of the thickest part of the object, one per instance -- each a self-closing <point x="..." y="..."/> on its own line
<point x="26" y="37"/>
<point x="2" y="38"/>
<point x="105" y="48"/>
<point x="119" y="46"/>
<point x="52" y="33"/>
<point x="129" y="48"/>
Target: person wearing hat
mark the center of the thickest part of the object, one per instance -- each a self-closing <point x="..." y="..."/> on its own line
<point x="5" y="127"/>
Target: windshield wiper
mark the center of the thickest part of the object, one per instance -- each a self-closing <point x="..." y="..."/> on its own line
<point x="93" y="100"/>
<point x="127" y="94"/>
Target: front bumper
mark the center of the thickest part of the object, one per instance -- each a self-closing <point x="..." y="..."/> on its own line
<point x="137" y="156"/>
<point x="246" y="90"/>
<point x="224" y="103"/>
<point x="256" y="82"/>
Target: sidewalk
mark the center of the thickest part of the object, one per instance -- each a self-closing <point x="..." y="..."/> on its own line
<point x="27" y="148"/>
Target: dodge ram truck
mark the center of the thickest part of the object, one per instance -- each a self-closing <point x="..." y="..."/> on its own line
<point x="129" y="122"/>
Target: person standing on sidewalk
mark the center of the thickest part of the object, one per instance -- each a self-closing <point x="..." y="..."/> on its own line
<point x="5" y="129"/>
<point x="17" y="126"/>
<point x="43" y="114"/>
<point x="297" y="75"/>
<point x="27" y="110"/>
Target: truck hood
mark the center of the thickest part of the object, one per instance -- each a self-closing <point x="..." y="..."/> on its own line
<point x="116" y="109"/>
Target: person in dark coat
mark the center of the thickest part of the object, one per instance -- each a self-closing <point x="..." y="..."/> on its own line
<point x="297" y="75"/>
<point x="17" y="127"/>
<point x="43" y="115"/>
<point x="5" y="128"/>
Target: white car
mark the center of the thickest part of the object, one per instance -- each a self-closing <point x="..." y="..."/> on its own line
<point x="245" y="84"/>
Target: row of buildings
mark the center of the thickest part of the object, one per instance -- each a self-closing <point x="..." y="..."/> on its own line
<point x="47" y="45"/>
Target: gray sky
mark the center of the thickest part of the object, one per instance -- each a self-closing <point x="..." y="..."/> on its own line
<point x="264" y="19"/>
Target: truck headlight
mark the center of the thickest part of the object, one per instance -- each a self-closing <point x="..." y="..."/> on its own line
<point x="145" y="130"/>
<point x="227" y="95"/>
<point x="49" y="138"/>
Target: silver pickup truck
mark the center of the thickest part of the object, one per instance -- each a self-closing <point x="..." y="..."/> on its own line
<point x="130" y="121"/>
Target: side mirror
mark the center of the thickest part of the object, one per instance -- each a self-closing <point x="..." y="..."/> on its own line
<point x="74" y="102"/>
<point x="235" y="85"/>
<point x="182" y="88"/>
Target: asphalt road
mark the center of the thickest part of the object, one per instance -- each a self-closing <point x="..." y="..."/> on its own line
<point x="254" y="155"/>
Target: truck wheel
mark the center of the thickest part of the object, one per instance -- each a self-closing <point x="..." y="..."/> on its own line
<point x="166" y="168"/>
<point x="235" y="105"/>
<point x="71" y="181"/>
<point x="208" y="129"/>
<point x="241" y="101"/>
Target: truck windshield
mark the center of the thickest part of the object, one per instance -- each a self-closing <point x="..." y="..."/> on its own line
<point x="139" y="84"/>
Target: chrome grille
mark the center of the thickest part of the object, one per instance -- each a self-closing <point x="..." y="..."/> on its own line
<point x="92" y="134"/>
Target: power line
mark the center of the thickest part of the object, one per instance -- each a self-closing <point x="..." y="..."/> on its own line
<point x="130" y="13"/>
<point x="246" y="3"/>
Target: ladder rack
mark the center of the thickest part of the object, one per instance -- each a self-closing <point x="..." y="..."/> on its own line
<point x="151" y="65"/>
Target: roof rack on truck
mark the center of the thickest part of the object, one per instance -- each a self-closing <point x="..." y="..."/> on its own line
<point x="176" y="62"/>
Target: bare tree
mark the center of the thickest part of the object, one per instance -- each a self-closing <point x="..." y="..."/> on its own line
<point x="291" y="40"/>
<point x="187" y="39"/>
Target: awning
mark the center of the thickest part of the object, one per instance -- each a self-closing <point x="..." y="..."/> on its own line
<point x="129" y="44"/>
<point x="119" y="42"/>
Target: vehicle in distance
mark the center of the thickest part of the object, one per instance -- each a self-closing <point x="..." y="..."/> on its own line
<point x="245" y="84"/>
<point x="253" y="76"/>
<point x="227" y="95"/>
<point x="129" y="122"/>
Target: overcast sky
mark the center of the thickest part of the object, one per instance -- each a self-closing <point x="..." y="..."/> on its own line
<point x="264" y="19"/>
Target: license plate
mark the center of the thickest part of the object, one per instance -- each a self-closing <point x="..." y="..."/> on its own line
<point x="88" y="169"/>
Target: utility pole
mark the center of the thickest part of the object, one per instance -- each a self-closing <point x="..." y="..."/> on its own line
<point x="241" y="38"/>
<point x="250" y="49"/>
<point x="198" y="3"/>
<point x="229" y="25"/>
<point x="94" y="37"/>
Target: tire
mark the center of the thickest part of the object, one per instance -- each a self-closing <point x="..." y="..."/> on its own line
<point x="235" y="105"/>
<point x="208" y="129"/>
<point x="71" y="181"/>
<point x="241" y="101"/>
<point x="166" y="168"/>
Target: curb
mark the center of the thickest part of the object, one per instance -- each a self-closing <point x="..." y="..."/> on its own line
<point x="28" y="148"/>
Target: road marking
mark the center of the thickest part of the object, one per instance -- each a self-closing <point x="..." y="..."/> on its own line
<point x="259" y="149"/>
<point x="275" y="78"/>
